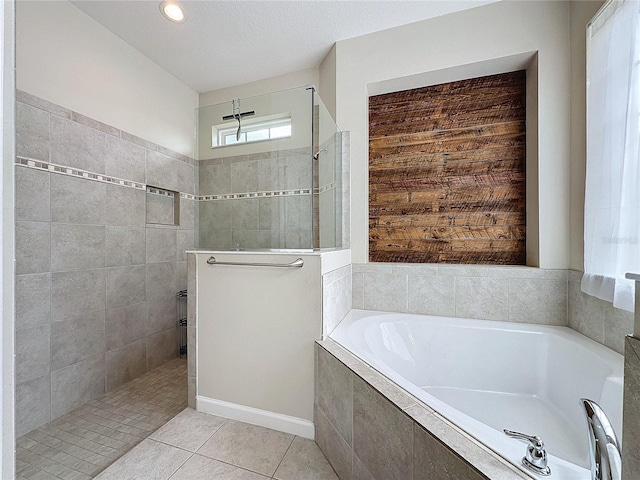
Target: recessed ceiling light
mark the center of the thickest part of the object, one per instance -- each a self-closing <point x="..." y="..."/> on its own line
<point x="172" y="11"/>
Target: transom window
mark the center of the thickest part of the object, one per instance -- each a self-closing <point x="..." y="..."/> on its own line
<point x="254" y="130"/>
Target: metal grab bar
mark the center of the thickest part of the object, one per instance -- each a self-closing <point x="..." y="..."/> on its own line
<point x="297" y="263"/>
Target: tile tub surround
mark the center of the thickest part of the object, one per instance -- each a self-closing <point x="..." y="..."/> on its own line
<point x="631" y="409"/>
<point x="199" y="446"/>
<point x="597" y="319"/>
<point x="95" y="285"/>
<point x="337" y="298"/>
<point x="516" y="294"/>
<point x="370" y="429"/>
<point x="513" y="294"/>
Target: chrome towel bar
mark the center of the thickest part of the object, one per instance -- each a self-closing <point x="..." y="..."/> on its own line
<point x="297" y="263"/>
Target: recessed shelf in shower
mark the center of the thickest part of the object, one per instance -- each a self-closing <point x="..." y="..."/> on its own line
<point x="162" y="206"/>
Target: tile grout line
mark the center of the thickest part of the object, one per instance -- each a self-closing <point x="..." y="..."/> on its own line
<point x="282" y="459"/>
<point x="70" y="453"/>
<point x="61" y="448"/>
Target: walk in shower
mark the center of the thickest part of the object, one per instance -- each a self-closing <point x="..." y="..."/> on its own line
<point x="269" y="174"/>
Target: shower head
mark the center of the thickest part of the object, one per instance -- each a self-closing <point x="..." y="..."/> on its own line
<point x="236" y="116"/>
<point x="235" y="104"/>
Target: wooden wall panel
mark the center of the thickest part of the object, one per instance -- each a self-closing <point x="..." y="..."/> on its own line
<point x="447" y="173"/>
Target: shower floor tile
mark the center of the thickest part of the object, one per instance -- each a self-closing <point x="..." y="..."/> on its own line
<point x="82" y="443"/>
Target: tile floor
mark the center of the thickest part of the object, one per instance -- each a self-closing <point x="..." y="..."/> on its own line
<point x="82" y="443"/>
<point x="124" y="435"/>
<point x="198" y="446"/>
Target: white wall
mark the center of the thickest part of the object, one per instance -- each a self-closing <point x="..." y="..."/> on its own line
<point x="474" y="36"/>
<point x="66" y="57"/>
<point x="300" y="78"/>
<point x="265" y="356"/>
<point x="327" y="82"/>
<point x="7" y="239"/>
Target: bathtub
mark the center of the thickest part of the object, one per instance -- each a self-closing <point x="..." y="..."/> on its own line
<point x="484" y="376"/>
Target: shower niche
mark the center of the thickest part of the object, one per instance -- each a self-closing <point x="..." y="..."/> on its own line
<point x="269" y="173"/>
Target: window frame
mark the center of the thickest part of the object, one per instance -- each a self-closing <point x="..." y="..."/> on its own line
<point x="220" y="133"/>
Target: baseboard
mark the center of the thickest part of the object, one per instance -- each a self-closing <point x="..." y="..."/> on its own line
<point x="256" y="416"/>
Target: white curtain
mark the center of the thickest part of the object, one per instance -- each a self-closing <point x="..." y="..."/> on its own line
<point x="612" y="190"/>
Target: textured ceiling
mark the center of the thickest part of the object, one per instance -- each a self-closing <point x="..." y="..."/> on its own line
<point x="231" y="42"/>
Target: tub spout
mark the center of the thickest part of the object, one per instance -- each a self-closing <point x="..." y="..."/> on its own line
<point x="604" y="448"/>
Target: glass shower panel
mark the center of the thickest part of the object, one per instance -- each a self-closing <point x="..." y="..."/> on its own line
<point x="255" y="172"/>
<point x="327" y="178"/>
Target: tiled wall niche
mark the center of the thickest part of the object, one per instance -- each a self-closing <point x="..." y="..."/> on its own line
<point x="515" y="294"/>
<point x="95" y="284"/>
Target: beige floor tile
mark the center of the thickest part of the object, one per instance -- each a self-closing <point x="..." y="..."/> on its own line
<point x="203" y="468"/>
<point x="150" y="460"/>
<point x="255" y="448"/>
<point x="189" y="429"/>
<point x="304" y="461"/>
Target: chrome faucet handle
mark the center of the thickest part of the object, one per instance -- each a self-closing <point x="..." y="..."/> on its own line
<point x="536" y="457"/>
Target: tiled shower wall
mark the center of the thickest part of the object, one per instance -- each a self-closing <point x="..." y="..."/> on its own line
<point x="260" y="200"/>
<point x="95" y="284"/>
<point x="515" y="294"/>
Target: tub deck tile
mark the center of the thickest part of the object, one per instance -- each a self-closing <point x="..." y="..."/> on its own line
<point x="379" y="401"/>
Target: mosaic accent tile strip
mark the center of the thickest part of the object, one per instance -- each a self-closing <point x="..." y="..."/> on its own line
<point x="267" y="194"/>
<point x="234" y="196"/>
<point x="75" y="172"/>
<point x="326" y="188"/>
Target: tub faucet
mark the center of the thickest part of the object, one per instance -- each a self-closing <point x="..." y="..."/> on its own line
<point x="604" y="448"/>
<point x="536" y="456"/>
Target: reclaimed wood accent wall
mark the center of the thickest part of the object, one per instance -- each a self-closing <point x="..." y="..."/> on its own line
<point x="447" y="173"/>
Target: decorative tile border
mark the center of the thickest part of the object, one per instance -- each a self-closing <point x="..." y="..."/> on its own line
<point x="76" y="172"/>
<point x="98" y="177"/>
<point x="236" y="196"/>
<point x="267" y="194"/>
<point x="326" y="188"/>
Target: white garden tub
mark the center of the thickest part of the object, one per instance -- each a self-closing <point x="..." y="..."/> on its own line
<point x="485" y="376"/>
